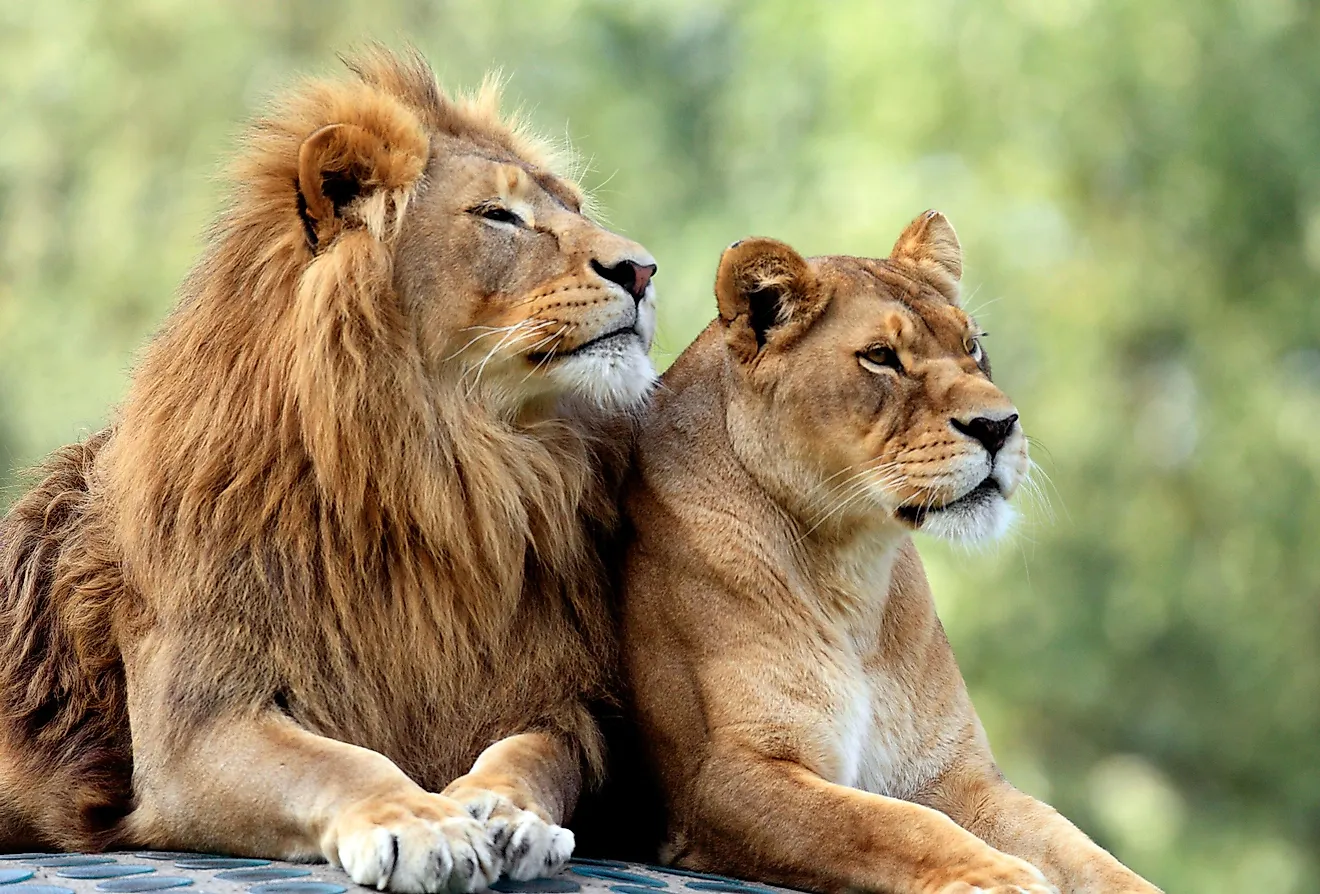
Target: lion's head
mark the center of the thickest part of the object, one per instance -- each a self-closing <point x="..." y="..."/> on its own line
<point x="406" y="323"/>
<point x="498" y="274"/>
<point x="876" y="383"/>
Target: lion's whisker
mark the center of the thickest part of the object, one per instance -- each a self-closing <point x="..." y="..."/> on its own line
<point x="548" y="355"/>
<point x="490" y="330"/>
<point x="481" y="367"/>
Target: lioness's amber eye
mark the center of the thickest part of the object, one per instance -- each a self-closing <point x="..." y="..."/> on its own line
<point x="880" y="356"/>
<point x="973" y="346"/>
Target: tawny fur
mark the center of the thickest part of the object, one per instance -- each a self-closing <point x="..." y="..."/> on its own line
<point x="802" y="707"/>
<point x="321" y="503"/>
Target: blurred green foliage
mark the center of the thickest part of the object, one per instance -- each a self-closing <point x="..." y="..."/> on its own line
<point x="1137" y="187"/>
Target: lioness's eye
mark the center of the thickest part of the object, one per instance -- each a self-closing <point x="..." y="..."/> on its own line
<point x="499" y="214"/>
<point x="880" y="357"/>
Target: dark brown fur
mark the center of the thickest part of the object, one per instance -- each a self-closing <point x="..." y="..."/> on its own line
<point x="63" y="695"/>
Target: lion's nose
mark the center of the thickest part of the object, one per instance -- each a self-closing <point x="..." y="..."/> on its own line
<point x="992" y="433"/>
<point x="632" y="276"/>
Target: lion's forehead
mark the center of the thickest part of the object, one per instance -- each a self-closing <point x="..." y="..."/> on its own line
<point x="462" y="162"/>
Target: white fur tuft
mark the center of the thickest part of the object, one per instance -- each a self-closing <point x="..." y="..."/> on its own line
<point x="616" y="375"/>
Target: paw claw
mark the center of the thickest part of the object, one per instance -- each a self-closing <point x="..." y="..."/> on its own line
<point x="417" y="843"/>
<point x="525" y="845"/>
<point x="1002" y="874"/>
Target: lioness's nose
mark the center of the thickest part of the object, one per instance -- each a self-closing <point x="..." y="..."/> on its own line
<point x="992" y="433"/>
<point x="632" y="276"/>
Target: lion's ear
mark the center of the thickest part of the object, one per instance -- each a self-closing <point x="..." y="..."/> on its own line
<point x="762" y="287"/>
<point x="930" y="244"/>
<point x="339" y="164"/>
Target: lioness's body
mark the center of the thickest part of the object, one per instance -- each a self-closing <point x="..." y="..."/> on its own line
<point x="344" y="535"/>
<point x="795" y="688"/>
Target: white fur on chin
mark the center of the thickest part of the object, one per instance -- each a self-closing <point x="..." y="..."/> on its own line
<point x="618" y="375"/>
<point x="974" y="525"/>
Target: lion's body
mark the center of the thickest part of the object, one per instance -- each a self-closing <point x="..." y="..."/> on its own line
<point x="801" y="705"/>
<point x="315" y="507"/>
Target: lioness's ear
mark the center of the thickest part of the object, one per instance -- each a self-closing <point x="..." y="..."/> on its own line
<point x="338" y="164"/>
<point x="762" y="288"/>
<point x="930" y="244"/>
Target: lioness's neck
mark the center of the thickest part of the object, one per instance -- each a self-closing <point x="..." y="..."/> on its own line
<point x="839" y="543"/>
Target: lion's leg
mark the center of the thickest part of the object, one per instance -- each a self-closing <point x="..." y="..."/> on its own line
<point x="981" y="801"/>
<point x="775" y="820"/>
<point x="523" y="787"/>
<point x="266" y="787"/>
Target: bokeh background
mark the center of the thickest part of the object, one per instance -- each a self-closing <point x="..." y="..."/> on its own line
<point x="1137" y="188"/>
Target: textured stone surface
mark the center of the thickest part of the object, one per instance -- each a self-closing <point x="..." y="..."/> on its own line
<point x="128" y="873"/>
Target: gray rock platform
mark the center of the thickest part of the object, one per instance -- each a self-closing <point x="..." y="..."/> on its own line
<point x="142" y="871"/>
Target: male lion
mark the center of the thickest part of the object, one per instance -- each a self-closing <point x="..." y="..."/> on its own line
<point x="338" y="552"/>
<point x="794" y="685"/>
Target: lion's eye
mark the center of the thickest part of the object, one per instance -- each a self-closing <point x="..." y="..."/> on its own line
<point x="973" y="346"/>
<point x="879" y="357"/>
<point x="499" y="214"/>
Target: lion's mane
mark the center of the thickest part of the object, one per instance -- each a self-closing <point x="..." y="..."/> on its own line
<point x="286" y="495"/>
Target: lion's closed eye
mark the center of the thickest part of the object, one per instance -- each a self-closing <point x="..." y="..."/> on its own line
<point x="498" y="214"/>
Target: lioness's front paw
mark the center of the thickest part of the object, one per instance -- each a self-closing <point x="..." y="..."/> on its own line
<point x="416" y="843"/>
<point x="528" y="846"/>
<point x="1118" y="879"/>
<point x="996" y="873"/>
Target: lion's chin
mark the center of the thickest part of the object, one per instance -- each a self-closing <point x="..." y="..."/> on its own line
<point x="615" y="375"/>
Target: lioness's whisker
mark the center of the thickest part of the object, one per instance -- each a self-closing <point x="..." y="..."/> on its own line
<point x="828" y="499"/>
<point x="868" y="466"/>
<point x="858" y="490"/>
<point x="1036" y="490"/>
<point x="854" y="488"/>
<point x="832" y="492"/>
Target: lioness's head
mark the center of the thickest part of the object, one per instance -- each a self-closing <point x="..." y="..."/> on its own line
<point x="488" y="265"/>
<point x="864" y="388"/>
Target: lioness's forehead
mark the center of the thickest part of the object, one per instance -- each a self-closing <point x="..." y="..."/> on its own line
<point x="893" y="298"/>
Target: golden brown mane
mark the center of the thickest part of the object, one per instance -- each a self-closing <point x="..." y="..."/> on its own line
<point x="296" y="500"/>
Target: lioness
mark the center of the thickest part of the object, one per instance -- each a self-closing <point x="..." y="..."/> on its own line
<point x="329" y="585"/>
<point x="799" y="699"/>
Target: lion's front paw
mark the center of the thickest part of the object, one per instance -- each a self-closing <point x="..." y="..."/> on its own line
<point x="996" y="873"/>
<point x="529" y="846"/>
<point x="417" y="843"/>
